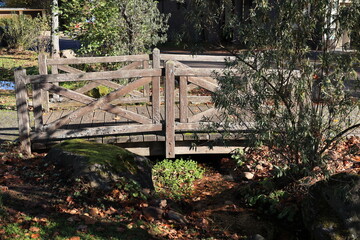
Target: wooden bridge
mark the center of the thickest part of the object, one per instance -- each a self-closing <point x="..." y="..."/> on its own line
<point x="157" y="112"/>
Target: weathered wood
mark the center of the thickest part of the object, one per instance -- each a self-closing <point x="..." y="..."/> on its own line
<point x="87" y="100"/>
<point x="38" y="115"/>
<point x="96" y="131"/>
<point x="95" y="76"/>
<point x="55" y="71"/>
<point x="87" y="60"/>
<point x="101" y="103"/>
<point x="43" y="71"/>
<point x="88" y="87"/>
<point x="183" y="99"/>
<point x="170" y="111"/>
<point x="22" y="110"/>
<point x="197" y="58"/>
<point x="208" y="113"/>
<point x="204" y="84"/>
<point x="68" y="69"/>
<point x="199" y="72"/>
<point x="147" y="86"/>
<point x="182" y="65"/>
<point x="156" y="88"/>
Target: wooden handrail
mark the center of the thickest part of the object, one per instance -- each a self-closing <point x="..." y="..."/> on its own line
<point x="87" y="60"/>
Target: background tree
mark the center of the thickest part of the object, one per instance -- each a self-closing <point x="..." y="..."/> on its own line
<point x="206" y="22"/>
<point x="115" y="27"/>
<point x="296" y="101"/>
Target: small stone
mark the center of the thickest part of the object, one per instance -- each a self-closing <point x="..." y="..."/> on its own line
<point x="248" y="175"/>
<point x="259" y="167"/>
<point x="256" y="237"/>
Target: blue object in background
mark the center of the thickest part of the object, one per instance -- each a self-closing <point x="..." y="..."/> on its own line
<point x="6" y="85"/>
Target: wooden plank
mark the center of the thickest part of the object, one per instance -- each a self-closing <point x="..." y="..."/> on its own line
<point x="170" y="111"/>
<point x="183" y="99"/>
<point x="98" y="120"/>
<point x="142" y="110"/>
<point x="22" y="111"/>
<point x="101" y="103"/>
<point x="86" y="60"/>
<point x="182" y="65"/>
<point x="88" y="87"/>
<point x="43" y="71"/>
<point x="86" y="120"/>
<point x="204" y="84"/>
<point x="92" y="76"/>
<point x="37" y="104"/>
<point x="75" y="123"/>
<point x="67" y="68"/>
<point x="204" y="149"/>
<point x="156" y="88"/>
<point x="147" y="86"/>
<point x="197" y="58"/>
<point x="46" y="116"/>
<point x="54" y="116"/>
<point x="68" y="93"/>
<point x="208" y="113"/>
<point x="97" y="131"/>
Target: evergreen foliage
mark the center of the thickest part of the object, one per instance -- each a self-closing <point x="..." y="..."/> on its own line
<point x="115" y="27"/>
<point x="297" y="101"/>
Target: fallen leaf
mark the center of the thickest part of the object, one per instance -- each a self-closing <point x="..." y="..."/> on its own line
<point x="74" y="238"/>
<point x="35" y="235"/>
<point x="94" y="212"/>
<point x="34" y="229"/>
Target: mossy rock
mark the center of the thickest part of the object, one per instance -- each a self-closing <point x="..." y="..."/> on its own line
<point x="101" y="164"/>
<point x="99" y="91"/>
<point x="332" y="208"/>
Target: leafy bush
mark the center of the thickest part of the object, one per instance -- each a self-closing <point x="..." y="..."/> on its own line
<point x="22" y="32"/>
<point x="293" y="101"/>
<point x="174" y="179"/>
<point x="114" y="27"/>
<point x="271" y="201"/>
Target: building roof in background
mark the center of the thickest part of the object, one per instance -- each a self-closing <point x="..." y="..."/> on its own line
<point x="20" y="9"/>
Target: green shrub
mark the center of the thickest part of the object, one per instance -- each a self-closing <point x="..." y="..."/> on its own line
<point x="174" y="179"/>
<point x="22" y="32"/>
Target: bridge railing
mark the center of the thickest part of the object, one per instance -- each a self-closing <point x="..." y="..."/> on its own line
<point x="147" y="70"/>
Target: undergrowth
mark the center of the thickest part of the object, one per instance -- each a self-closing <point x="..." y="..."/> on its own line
<point x="174" y="179"/>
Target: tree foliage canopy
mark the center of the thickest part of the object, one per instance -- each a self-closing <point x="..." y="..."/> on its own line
<point x="115" y="27"/>
<point x="295" y="100"/>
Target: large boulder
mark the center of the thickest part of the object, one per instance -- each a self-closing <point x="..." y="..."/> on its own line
<point x="332" y="208"/>
<point x="101" y="165"/>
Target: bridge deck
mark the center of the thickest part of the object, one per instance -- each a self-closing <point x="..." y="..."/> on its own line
<point x="145" y="143"/>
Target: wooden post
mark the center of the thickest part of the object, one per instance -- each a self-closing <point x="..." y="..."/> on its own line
<point x="146" y="86"/>
<point x="156" y="87"/>
<point x="170" y="110"/>
<point x="183" y="98"/>
<point x="22" y="111"/>
<point x="43" y="71"/>
<point x="38" y="116"/>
